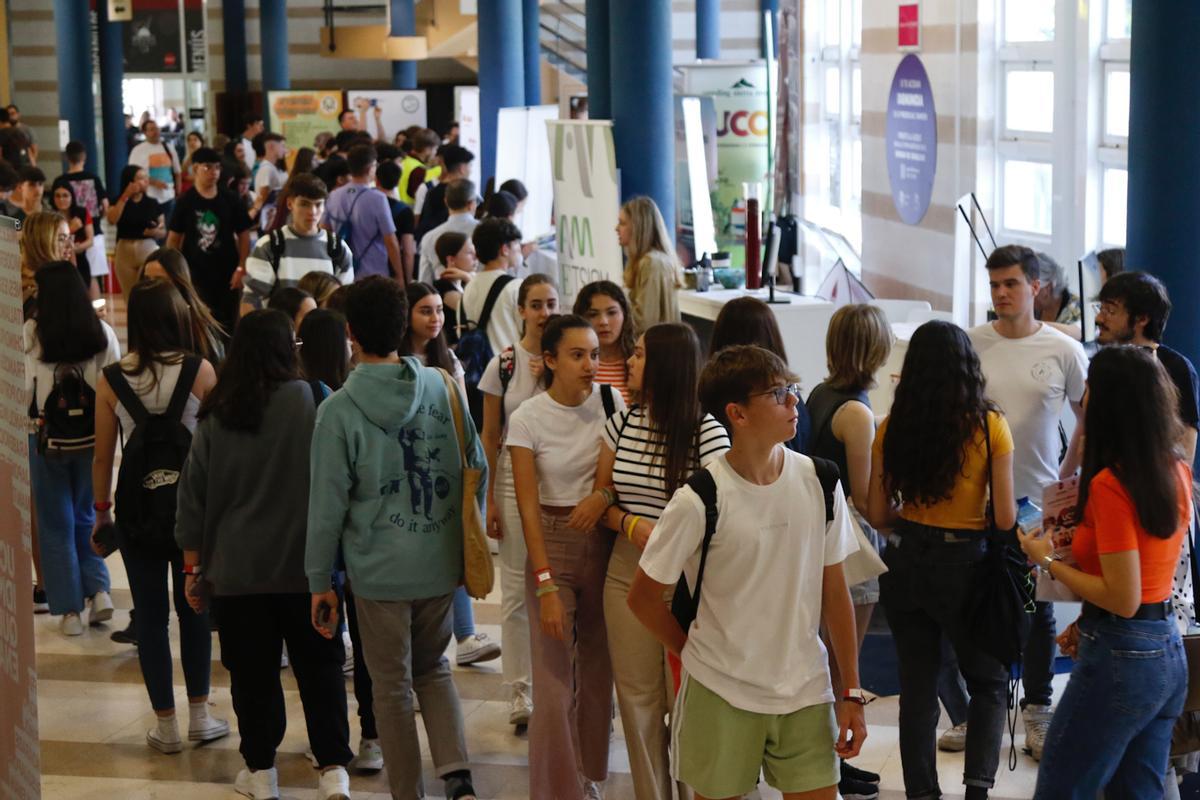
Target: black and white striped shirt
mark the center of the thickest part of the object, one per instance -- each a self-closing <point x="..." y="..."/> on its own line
<point x="638" y="470"/>
<point x="301" y="255"/>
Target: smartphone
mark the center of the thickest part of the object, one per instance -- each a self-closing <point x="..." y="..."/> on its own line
<point x="1029" y="516"/>
<point x="374" y="102"/>
<point x="106" y="537"/>
<point x="99" y="303"/>
<point x="324" y="613"/>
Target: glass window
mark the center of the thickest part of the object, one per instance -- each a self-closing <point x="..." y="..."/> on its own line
<point x="833" y="91"/>
<point x="856" y="152"/>
<point x="833" y="23"/>
<point x="1116" y="103"/>
<point x="1120" y="19"/>
<point x="834" y="133"/>
<point x="1029" y="101"/>
<point x="1116" y="194"/>
<point x="1029" y="20"/>
<point x="856" y="93"/>
<point x="1027" y="196"/>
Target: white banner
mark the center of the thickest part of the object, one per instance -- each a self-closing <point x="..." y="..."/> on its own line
<point x="383" y="113"/>
<point x="586" y="203"/>
<point x="470" y="136"/>
<point x="523" y="152"/>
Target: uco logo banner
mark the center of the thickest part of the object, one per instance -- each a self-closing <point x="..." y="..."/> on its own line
<point x="585" y="204"/>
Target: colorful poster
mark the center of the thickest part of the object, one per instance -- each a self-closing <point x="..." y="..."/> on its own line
<point x="300" y="115"/>
<point x="152" y="42"/>
<point x="739" y="92"/>
<point x="586" y="202"/>
<point x="1059" y="521"/>
<point x="521" y="137"/>
<point x="470" y="136"/>
<point x="384" y="112"/>
<point x="19" y="769"/>
<point x="911" y="140"/>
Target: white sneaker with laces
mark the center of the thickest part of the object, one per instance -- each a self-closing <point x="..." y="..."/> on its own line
<point x="71" y="625"/>
<point x="164" y="737"/>
<point x="370" y="756"/>
<point x="260" y="785"/>
<point x="476" y="649"/>
<point x="102" y="608"/>
<point x="1037" y="724"/>
<point x="954" y="740"/>
<point x="203" y="727"/>
<point x="520" y="706"/>
<point x="334" y="785"/>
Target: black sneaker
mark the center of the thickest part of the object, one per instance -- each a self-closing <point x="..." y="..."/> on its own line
<point x="128" y="635"/>
<point x="851" y="772"/>
<point x="40" y="604"/>
<point x="857" y="790"/>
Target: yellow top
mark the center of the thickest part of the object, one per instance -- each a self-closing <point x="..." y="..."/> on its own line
<point x="966" y="507"/>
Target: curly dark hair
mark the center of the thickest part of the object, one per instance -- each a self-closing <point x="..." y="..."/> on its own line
<point x="377" y="311"/>
<point x="937" y="415"/>
<point x="262" y="356"/>
<point x="1135" y="405"/>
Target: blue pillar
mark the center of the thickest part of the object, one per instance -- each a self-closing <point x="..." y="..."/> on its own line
<point x="112" y="96"/>
<point x="501" y="71"/>
<point x="233" y="25"/>
<point x="773" y="7"/>
<point x="404" y="23"/>
<point x="643" y="108"/>
<point x="533" y="53"/>
<point x="73" y="40"/>
<point x="1164" y="162"/>
<point x="599" y="75"/>
<point x="708" y="28"/>
<point x="273" y="37"/>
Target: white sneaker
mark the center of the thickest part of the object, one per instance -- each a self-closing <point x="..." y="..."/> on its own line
<point x="476" y="649"/>
<point x="334" y="785"/>
<point x="260" y="785"/>
<point x="283" y="659"/>
<point x="348" y="645"/>
<point x="520" y="706"/>
<point x="71" y="625"/>
<point x="954" y="740"/>
<point x="370" y="756"/>
<point x="164" y="737"/>
<point x="203" y="727"/>
<point x="102" y="608"/>
<point x="1037" y="723"/>
<point x="592" y="790"/>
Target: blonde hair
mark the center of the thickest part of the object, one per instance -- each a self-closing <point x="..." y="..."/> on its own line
<point x="39" y="246"/>
<point x="857" y="344"/>
<point x="648" y="234"/>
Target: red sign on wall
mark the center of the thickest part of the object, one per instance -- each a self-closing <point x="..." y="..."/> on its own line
<point x="909" y="30"/>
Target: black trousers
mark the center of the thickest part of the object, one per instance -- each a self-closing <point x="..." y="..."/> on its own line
<point x="252" y="629"/>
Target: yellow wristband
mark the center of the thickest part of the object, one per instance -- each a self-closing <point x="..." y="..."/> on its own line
<point x="632" y="524"/>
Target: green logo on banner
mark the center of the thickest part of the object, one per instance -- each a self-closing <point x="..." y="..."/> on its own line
<point x="575" y="237"/>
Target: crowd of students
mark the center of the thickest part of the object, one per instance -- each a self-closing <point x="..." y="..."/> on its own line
<point x="299" y="415"/>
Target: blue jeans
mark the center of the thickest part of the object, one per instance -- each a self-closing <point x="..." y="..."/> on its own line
<point x="1112" y="728"/>
<point x="62" y="497"/>
<point x="464" y="615"/>
<point x="148" y="584"/>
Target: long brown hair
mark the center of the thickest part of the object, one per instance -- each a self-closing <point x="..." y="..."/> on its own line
<point x="159" y="327"/>
<point x="207" y="333"/>
<point x="648" y="234"/>
<point x="669" y="394"/>
<point x="39" y="246"/>
<point x="747" y="320"/>
<point x="437" y="351"/>
<point x="583" y="302"/>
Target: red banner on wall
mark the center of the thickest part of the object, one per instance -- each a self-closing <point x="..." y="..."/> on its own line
<point x="909" y="30"/>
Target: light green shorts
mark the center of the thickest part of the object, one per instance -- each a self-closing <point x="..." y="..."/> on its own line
<point x="718" y="750"/>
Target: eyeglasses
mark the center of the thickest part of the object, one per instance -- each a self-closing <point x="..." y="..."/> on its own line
<point x="781" y="393"/>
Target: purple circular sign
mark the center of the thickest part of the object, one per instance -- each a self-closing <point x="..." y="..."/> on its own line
<point x="911" y="140"/>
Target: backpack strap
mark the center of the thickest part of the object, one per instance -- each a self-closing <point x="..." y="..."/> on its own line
<point x="318" y="392"/>
<point x="333" y="249"/>
<point x="493" y="295"/>
<point x="183" y="387"/>
<point x="125" y="394"/>
<point x="606" y="397"/>
<point x="702" y="483"/>
<point x="829" y="475"/>
<point x="275" y="245"/>
<point x="508" y="367"/>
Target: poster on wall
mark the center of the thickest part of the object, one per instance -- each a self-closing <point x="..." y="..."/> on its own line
<point x="197" y="39"/>
<point x="470" y="136"/>
<point x="152" y="37"/>
<point x="300" y="115"/>
<point x="739" y="93"/>
<point x="911" y="140"/>
<point x="521" y="136"/>
<point x="384" y="112"/>
<point x="19" y="767"/>
<point x="586" y="202"/>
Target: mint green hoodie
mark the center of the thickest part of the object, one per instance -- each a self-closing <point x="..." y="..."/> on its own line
<point x="387" y="484"/>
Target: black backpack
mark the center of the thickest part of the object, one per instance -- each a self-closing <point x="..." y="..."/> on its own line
<point x="67" y="421"/>
<point x="686" y="602"/>
<point x="475" y="349"/>
<point x="151" y="462"/>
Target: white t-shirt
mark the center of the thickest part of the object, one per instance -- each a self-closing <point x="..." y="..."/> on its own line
<point x="270" y="176"/>
<point x="638" y="469"/>
<point x="504" y="326"/>
<point x="521" y="386"/>
<point x="41" y="375"/>
<point x="248" y="156"/>
<point x="428" y="267"/>
<point x="754" y="641"/>
<point x="156" y="394"/>
<point x="1030" y="379"/>
<point x="565" y="441"/>
<point x="457" y="372"/>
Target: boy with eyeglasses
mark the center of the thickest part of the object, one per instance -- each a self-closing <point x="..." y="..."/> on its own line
<point x="755" y="694"/>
